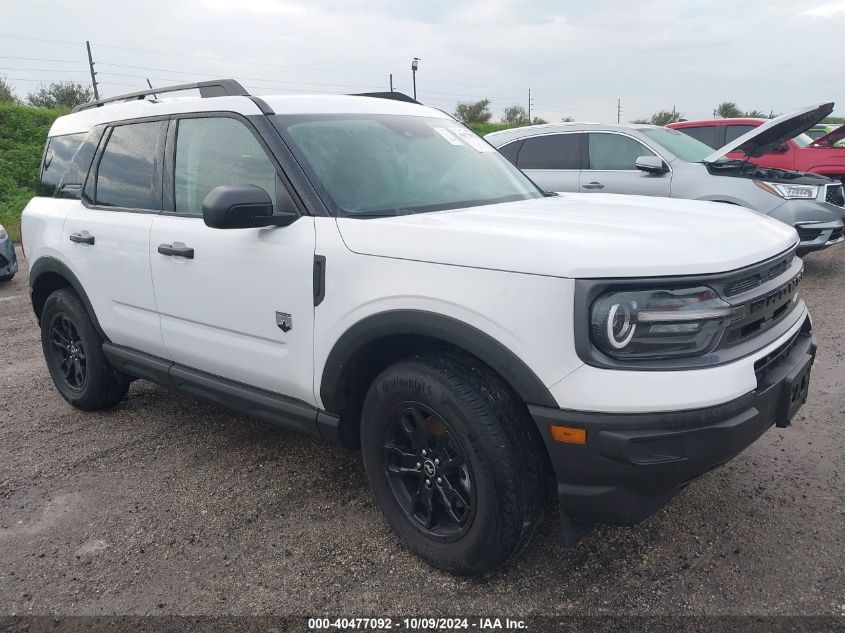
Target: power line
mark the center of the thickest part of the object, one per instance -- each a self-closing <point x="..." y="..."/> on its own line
<point x="40" y="59"/>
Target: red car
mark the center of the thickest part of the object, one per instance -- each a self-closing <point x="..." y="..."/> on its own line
<point x="800" y="153"/>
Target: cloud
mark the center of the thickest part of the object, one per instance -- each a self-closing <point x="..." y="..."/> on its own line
<point x="825" y="10"/>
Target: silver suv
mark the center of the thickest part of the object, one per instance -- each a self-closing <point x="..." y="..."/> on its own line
<point x="655" y="161"/>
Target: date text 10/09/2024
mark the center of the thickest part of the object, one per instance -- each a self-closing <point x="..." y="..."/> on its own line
<point x="416" y="624"/>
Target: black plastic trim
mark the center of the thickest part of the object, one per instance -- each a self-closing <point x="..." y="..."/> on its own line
<point x="208" y="89"/>
<point x="337" y="370"/>
<point x="45" y="265"/>
<point x="319" y="279"/>
<point x="262" y="105"/>
<point x="634" y="463"/>
<point x="258" y="403"/>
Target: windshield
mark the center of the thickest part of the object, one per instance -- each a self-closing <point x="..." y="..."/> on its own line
<point x="802" y="140"/>
<point x="377" y="165"/>
<point x="681" y="145"/>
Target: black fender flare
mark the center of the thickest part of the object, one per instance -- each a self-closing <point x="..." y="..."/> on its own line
<point x="50" y="265"/>
<point x="338" y="370"/>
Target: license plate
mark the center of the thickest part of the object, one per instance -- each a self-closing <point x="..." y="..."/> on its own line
<point x="796" y="385"/>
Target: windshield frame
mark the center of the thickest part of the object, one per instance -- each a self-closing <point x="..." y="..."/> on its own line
<point x="281" y="122"/>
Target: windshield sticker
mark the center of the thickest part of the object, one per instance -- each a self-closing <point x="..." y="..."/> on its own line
<point x="471" y="139"/>
<point x="442" y="131"/>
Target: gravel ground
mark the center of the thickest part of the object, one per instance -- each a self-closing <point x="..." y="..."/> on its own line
<point x="166" y="505"/>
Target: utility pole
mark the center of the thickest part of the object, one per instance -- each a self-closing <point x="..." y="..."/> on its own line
<point x="619" y="110"/>
<point x="529" y="106"/>
<point x="93" y="74"/>
<point x="391" y="82"/>
<point x="415" y="63"/>
<point x="673" y="115"/>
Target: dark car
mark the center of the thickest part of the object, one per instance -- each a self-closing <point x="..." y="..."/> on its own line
<point x="8" y="261"/>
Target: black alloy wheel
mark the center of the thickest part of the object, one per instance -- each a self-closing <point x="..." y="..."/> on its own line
<point x="426" y="467"/>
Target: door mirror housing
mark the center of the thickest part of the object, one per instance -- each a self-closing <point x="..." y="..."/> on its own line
<point x="652" y="165"/>
<point x="244" y="207"/>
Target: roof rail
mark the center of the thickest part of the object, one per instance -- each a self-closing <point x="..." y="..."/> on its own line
<point x="214" y="88"/>
<point x="395" y="96"/>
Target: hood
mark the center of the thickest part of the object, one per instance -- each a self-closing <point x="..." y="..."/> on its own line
<point x="579" y="236"/>
<point x="830" y="138"/>
<point x="764" y="138"/>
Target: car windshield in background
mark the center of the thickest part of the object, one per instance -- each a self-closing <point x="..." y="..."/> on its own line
<point x="681" y="145"/>
<point x="382" y="165"/>
<point x="803" y="140"/>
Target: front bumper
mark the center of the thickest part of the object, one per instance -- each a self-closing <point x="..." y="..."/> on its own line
<point x="816" y="236"/>
<point x="8" y="259"/>
<point x="633" y="464"/>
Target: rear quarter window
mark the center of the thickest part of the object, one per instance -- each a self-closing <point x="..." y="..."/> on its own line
<point x="59" y="154"/>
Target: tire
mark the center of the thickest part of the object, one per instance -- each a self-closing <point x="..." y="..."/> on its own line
<point x="73" y="351"/>
<point x="491" y="496"/>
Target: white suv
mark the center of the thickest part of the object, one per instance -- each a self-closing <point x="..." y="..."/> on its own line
<point x="366" y="270"/>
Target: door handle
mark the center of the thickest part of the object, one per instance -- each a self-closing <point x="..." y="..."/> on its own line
<point x="179" y="250"/>
<point x="593" y="185"/>
<point x="82" y="238"/>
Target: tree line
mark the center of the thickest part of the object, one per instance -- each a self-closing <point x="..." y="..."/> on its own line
<point x="62" y="95"/>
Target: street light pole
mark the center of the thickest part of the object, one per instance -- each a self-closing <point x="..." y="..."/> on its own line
<point x="415" y="63"/>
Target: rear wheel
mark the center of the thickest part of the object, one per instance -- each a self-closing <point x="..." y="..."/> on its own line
<point x="452" y="463"/>
<point x="73" y="351"/>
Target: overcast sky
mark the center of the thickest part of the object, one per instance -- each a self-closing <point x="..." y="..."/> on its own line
<point x="577" y="58"/>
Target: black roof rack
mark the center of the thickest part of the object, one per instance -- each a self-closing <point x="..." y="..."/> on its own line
<point x="396" y="96"/>
<point x="214" y="88"/>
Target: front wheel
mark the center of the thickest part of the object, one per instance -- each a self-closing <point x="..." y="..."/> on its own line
<point x="73" y="351"/>
<point x="452" y="463"/>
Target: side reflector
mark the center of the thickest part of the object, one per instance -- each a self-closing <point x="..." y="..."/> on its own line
<point x="568" y="434"/>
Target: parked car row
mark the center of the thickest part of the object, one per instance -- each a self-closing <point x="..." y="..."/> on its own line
<point x="657" y="161"/>
<point x="372" y="273"/>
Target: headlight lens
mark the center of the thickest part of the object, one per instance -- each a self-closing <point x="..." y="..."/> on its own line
<point x="3" y="234"/>
<point x="659" y="323"/>
<point x="789" y="192"/>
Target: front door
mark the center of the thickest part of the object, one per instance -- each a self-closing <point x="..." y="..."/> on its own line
<point x="236" y="303"/>
<point x="611" y="167"/>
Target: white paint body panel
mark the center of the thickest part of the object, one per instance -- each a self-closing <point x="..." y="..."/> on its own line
<point x="218" y="310"/>
<point x="579" y="236"/>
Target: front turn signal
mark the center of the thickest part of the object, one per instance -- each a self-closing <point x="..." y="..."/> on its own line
<point x="568" y="434"/>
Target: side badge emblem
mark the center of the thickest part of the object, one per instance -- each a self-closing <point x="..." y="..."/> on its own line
<point x="284" y="321"/>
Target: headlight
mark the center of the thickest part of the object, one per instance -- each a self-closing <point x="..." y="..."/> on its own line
<point x="789" y="192"/>
<point x="659" y="323"/>
<point x="3" y="234"/>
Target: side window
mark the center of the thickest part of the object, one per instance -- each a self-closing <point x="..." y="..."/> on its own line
<point x="511" y="150"/>
<point x="58" y="156"/>
<point x="707" y="134"/>
<point x="735" y="131"/>
<point x="129" y="174"/>
<point x="553" y="151"/>
<point x="615" y="152"/>
<point x="217" y="151"/>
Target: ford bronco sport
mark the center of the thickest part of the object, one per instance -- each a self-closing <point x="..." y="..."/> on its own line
<point x="366" y="270"/>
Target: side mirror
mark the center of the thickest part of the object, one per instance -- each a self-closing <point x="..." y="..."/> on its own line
<point x="651" y="165"/>
<point x="780" y="149"/>
<point x="242" y="207"/>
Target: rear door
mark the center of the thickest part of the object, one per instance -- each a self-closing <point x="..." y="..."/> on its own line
<point x="611" y="160"/>
<point x="552" y="161"/>
<point x="106" y="235"/>
<point x="241" y="306"/>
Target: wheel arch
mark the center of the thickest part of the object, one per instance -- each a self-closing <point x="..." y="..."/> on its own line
<point x="49" y="274"/>
<point x="377" y="341"/>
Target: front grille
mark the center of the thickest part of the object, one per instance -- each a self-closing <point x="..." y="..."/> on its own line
<point x="752" y="281"/>
<point x="764" y="310"/>
<point x="835" y="194"/>
<point x="836" y="234"/>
